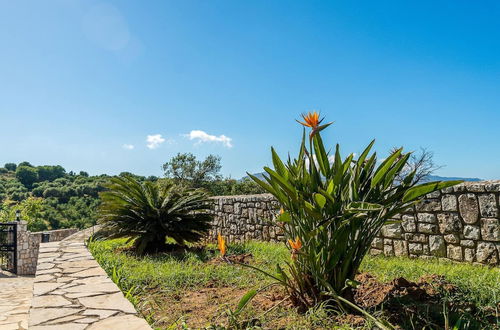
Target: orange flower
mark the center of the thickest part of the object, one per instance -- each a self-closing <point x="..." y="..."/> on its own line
<point x="282" y="211"/>
<point x="311" y="120"/>
<point x="295" y="245"/>
<point x="221" y="243"/>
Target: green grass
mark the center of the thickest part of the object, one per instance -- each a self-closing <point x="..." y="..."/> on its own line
<point x="170" y="275"/>
<point x="186" y="270"/>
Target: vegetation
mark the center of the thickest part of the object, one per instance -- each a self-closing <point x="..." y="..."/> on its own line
<point x="193" y="288"/>
<point x="332" y="211"/>
<point x="51" y="198"/>
<point x="149" y="212"/>
<point x="185" y="169"/>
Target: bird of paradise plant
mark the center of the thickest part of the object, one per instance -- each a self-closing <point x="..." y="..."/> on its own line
<point x="332" y="209"/>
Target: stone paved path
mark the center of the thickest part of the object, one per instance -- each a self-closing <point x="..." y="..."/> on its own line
<point x="15" y="301"/>
<point x="71" y="291"/>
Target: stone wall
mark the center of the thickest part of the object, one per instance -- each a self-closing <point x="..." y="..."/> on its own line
<point x="461" y="223"/>
<point x="28" y="244"/>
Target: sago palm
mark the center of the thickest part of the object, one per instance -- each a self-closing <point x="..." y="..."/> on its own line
<point x="149" y="212"/>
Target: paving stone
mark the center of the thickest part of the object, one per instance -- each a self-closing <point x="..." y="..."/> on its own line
<point x="42" y="315"/>
<point x="128" y="322"/>
<point x="114" y="301"/>
<point x="49" y="301"/>
<point x="44" y="287"/>
<point x="89" y="272"/>
<point x="100" y="313"/>
<point x="67" y="326"/>
<point x="109" y="287"/>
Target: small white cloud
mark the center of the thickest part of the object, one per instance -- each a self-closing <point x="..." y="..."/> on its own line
<point x="202" y="137"/>
<point x="154" y="141"/>
<point x="128" y="146"/>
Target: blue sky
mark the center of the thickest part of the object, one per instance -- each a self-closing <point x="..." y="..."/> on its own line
<point x="81" y="82"/>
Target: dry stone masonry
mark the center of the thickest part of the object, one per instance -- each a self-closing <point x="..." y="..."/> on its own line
<point x="460" y="223"/>
<point x="28" y="243"/>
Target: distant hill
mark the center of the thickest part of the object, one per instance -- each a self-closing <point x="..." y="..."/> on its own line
<point x="448" y="178"/>
<point x="427" y="179"/>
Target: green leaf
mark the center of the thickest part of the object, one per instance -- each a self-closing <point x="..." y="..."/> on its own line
<point x="245" y="300"/>
<point x="278" y="164"/>
<point x="284" y="217"/>
<point x="321" y="155"/>
<point x="384" y="167"/>
<point x="426" y="188"/>
<point x="364" y="206"/>
<point x="320" y="200"/>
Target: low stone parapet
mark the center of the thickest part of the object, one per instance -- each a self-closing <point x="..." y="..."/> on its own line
<point x="460" y="223"/>
<point x="29" y="242"/>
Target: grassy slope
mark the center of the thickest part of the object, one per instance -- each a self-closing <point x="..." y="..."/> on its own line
<point x="174" y="274"/>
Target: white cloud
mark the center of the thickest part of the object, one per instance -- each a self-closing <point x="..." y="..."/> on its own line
<point x="154" y="141"/>
<point x="202" y="136"/>
<point x="128" y="146"/>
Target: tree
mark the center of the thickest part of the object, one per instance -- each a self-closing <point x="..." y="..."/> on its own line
<point x="148" y="212"/>
<point x="27" y="175"/>
<point x="25" y="163"/>
<point x="10" y="166"/>
<point x="50" y="173"/>
<point x="421" y="163"/>
<point x="186" y="169"/>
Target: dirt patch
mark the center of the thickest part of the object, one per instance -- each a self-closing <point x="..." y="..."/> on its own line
<point x="207" y="306"/>
<point x="403" y="303"/>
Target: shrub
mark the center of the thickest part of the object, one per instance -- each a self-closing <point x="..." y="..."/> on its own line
<point x="332" y="208"/>
<point x="26" y="175"/>
<point x="148" y="213"/>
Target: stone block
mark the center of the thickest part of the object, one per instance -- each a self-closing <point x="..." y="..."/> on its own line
<point x="426" y="217"/>
<point x="449" y="222"/>
<point x="471" y="232"/>
<point x="487" y="253"/>
<point x="429" y="205"/>
<point x="415" y="248"/>
<point x="467" y="243"/>
<point x="488" y="205"/>
<point x="400" y="248"/>
<point x="469" y="255"/>
<point x="455" y="252"/>
<point x="392" y="230"/>
<point x="375" y="252"/>
<point x="377" y="243"/>
<point x="434" y="194"/>
<point x="469" y="208"/>
<point x="409" y="224"/>
<point x="449" y="203"/>
<point x="490" y="229"/>
<point x="493" y="186"/>
<point x="452" y="238"/>
<point x="388" y="250"/>
<point x="437" y="246"/>
<point x="427" y="228"/>
<point x="475" y="187"/>
<point x="420" y="238"/>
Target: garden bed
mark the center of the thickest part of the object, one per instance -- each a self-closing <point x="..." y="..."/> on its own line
<point x="193" y="288"/>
